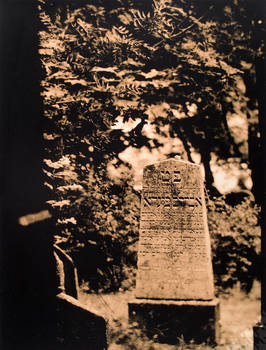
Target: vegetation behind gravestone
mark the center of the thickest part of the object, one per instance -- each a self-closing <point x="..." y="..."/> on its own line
<point x="107" y="64"/>
<point x="235" y="238"/>
<point x="98" y="227"/>
<point x="97" y="74"/>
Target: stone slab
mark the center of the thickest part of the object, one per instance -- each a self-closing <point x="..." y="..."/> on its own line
<point x="169" y="320"/>
<point x="78" y="327"/>
<point x="174" y="255"/>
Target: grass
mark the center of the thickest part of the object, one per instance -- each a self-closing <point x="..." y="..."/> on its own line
<point x="239" y="313"/>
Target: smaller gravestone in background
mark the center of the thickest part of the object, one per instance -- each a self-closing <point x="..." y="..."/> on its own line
<point x="174" y="287"/>
<point x="77" y="327"/>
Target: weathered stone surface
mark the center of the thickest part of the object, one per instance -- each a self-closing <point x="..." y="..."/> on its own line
<point x="168" y="321"/>
<point x="174" y="257"/>
<point x="66" y="272"/>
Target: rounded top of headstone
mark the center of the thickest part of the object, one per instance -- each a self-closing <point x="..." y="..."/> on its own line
<point x="167" y="161"/>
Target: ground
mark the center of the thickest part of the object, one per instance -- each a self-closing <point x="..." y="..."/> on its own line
<point x="239" y="313"/>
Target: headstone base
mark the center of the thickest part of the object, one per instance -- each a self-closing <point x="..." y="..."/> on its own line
<point x="166" y="321"/>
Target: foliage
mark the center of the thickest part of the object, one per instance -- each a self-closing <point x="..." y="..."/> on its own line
<point x="115" y="62"/>
<point x="235" y="236"/>
<point x="183" y="57"/>
<point x="97" y="225"/>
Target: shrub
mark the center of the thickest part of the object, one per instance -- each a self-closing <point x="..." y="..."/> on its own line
<point x="98" y="226"/>
<point x="235" y="238"/>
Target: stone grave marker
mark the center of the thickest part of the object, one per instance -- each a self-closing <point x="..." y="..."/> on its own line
<point x="174" y="255"/>
<point x="174" y="258"/>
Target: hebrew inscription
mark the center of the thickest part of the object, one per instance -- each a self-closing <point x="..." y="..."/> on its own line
<point x="174" y="258"/>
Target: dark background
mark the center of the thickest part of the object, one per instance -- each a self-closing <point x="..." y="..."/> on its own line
<point x="27" y="266"/>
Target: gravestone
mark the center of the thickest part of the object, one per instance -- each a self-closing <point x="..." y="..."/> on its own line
<point x="174" y="287"/>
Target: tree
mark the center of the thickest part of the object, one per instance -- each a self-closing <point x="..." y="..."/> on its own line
<point x="167" y="67"/>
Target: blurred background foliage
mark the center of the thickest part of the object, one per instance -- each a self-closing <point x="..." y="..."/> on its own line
<point x="126" y="76"/>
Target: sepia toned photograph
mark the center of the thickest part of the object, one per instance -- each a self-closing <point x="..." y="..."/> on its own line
<point x="133" y="164"/>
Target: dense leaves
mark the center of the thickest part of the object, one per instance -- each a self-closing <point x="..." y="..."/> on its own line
<point x="168" y="69"/>
<point x="235" y="234"/>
